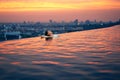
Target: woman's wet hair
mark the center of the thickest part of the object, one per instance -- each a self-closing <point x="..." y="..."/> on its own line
<point x="48" y="33"/>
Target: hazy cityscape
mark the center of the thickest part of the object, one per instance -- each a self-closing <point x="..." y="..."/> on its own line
<point x="59" y="39"/>
<point x="32" y="29"/>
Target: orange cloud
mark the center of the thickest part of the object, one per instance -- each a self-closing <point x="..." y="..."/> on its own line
<point x="43" y="10"/>
<point x="23" y="5"/>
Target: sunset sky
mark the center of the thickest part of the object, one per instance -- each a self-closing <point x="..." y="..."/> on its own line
<point x="58" y="10"/>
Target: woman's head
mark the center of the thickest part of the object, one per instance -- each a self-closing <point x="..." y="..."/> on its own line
<point x="48" y="33"/>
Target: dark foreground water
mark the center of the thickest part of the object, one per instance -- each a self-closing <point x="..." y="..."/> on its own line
<point x="87" y="55"/>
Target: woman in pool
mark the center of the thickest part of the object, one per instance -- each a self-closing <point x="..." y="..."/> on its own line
<point x="48" y="35"/>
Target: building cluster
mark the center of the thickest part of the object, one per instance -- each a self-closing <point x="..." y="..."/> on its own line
<point x="31" y="29"/>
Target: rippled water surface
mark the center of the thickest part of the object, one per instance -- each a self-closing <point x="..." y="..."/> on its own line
<point x="85" y="55"/>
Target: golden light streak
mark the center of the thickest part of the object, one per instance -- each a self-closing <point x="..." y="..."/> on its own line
<point x="37" y="5"/>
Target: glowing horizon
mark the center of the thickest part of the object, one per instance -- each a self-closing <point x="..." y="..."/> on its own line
<point x="68" y="9"/>
<point x="32" y="5"/>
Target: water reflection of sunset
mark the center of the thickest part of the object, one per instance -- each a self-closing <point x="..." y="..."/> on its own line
<point x="67" y="43"/>
<point x="82" y="53"/>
